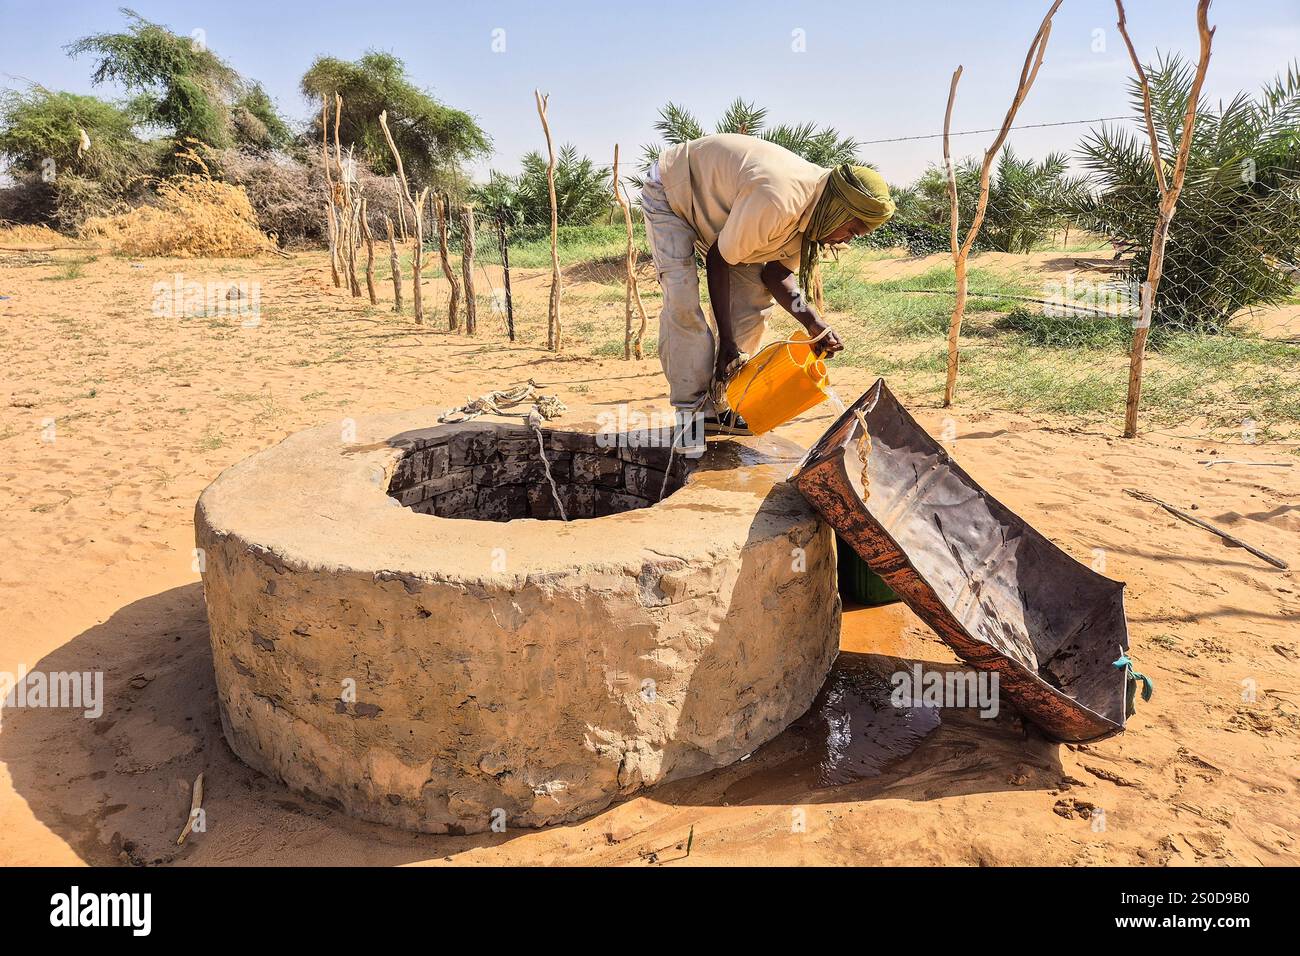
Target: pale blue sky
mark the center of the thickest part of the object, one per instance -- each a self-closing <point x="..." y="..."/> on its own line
<point x="874" y="70"/>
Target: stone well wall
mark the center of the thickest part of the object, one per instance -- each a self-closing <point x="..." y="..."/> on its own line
<point x="439" y="673"/>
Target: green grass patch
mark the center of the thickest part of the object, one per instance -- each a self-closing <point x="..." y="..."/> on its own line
<point x="530" y="248"/>
<point x="72" y="269"/>
<point x="1014" y="356"/>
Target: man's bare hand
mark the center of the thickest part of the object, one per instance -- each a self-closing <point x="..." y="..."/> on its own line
<point x="781" y="282"/>
<point x="829" y="343"/>
<point x="727" y="353"/>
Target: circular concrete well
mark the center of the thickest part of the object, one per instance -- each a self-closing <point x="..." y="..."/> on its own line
<point x="403" y="628"/>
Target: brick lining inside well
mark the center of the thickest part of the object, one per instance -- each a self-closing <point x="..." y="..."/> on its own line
<point x="496" y="474"/>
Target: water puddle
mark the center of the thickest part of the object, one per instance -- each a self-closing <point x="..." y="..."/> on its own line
<point x="857" y="732"/>
<point x="852" y="731"/>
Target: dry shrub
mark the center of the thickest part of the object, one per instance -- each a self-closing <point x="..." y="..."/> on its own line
<point x="27" y="235"/>
<point x="288" y="194"/>
<point x="288" y="200"/>
<point x="195" y="217"/>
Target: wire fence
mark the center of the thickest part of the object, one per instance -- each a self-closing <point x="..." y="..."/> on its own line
<point x="1047" y="330"/>
<point x="1050" y="329"/>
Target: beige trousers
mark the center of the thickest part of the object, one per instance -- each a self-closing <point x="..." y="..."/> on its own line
<point x="687" y="342"/>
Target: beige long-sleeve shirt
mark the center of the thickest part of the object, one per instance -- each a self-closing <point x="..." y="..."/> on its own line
<point x="752" y="197"/>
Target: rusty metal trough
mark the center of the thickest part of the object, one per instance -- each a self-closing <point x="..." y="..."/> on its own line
<point x="1004" y="597"/>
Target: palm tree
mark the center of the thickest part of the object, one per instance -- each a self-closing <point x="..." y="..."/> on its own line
<point x="582" y="191"/>
<point x="1236" y="238"/>
<point x="825" y="146"/>
<point x="1027" y="200"/>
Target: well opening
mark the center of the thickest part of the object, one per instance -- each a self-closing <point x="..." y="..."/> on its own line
<point x="496" y="473"/>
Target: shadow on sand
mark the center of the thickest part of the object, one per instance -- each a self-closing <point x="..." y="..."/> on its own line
<point x="117" y="788"/>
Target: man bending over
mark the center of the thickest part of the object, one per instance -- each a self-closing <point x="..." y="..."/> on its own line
<point x="758" y="213"/>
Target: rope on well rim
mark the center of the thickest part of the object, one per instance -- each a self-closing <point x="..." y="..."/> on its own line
<point x="500" y="402"/>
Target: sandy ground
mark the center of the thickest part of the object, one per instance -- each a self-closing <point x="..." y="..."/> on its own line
<point x="96" y="573"/>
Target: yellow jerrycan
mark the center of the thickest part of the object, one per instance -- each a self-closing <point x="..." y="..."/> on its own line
<point x="782" y="380"/>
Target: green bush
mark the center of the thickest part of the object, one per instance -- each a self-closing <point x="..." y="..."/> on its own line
<point x="59" y="180"/>
<point x="919" y="238"/>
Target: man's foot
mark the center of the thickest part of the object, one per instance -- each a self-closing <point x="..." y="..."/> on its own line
<point x="728" y="423"/>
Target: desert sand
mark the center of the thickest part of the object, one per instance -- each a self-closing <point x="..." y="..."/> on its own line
<point x="97" y="573"/>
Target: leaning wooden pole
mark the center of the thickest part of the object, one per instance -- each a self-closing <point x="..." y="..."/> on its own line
<point x="631" y="346"/>
<point x="417" y="216"/>
<point x="1169" y="192"/>
<point x="554" y="327"/>
<point x="443" y="209"/>
<point x="347" y="212"/>
<point x="467" y="267"/>
<point x="1028" y="73"/>
<point x="331" y="199"/>
<point x="954" y="242"/>
<point x="401" y="210"/>
<point x="354" y="230"/>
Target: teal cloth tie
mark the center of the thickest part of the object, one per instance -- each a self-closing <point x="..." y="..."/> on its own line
<point x="1148" y="685"/>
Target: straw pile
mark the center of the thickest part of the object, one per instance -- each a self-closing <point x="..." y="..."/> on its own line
<point x="195" y="217"/>
<point x="25" y="236"/>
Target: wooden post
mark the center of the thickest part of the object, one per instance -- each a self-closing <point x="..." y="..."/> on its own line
<point x="347" y="212"/>
<point x="331" y="224"/>
<point x="401" y="210"/>
<point x="554" y="329"/>
<point x="370" y="252"/>
<point x="417" y="214"/>
<point x="467" y="267"/>
<point x="417" y="257"/>
<point x="633" y="294"/>
<point x="1028" y="73"/>
<point x="505" y="277"/>
<point x="1169" y="193"/>
<point x="395" y="263"/>
<point x="443" y="208"/>
<point x="354" y="239"/>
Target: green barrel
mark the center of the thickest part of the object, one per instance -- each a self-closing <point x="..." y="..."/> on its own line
<point x="858" y="583"/>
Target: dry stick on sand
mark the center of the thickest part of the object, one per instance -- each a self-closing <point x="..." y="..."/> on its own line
<point x="1179" y="513"/>
<point x="443" y="208"/>
<point x="631" y="347"/>
<point x="196" y="801"/>
<point x="1033" y="61"/>
<point x="467" y="267"/>
<point x="554" y="329"/>
<point x="395" y="264"/>
<point x="370" y="253"/>
<point x="417" y="213"/>
<point x="1169" y="192"/>
<point x="331" y="225"/>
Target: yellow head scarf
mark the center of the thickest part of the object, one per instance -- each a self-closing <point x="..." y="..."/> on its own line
<point x="852" y="192"/>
